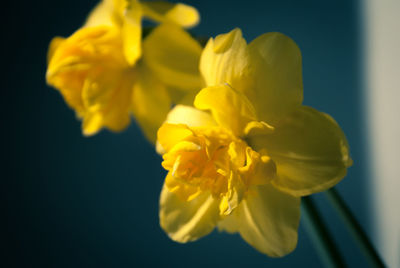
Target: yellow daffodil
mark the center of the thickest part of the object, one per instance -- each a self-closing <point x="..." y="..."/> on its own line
<point x="105" y="72"/>
<point x="244" y="155"/>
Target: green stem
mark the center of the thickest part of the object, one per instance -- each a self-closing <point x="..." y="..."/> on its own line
<point x="320" y="235"/>
<point x="354" y="228"/>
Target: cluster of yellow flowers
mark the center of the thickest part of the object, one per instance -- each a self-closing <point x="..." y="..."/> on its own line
<point x="239" y="147"/>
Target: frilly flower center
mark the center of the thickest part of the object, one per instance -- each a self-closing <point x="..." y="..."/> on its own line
<point x="215" y="161"/>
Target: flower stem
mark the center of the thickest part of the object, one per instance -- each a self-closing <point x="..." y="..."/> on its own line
<point x="320" y="235"/>
<point x="354" y="227"/>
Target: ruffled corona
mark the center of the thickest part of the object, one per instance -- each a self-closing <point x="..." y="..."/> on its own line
<point x="213" y="160"/>
<point x="94" y="77"/>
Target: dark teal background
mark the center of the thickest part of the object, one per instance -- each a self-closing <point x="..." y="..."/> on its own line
<point x="71" y="201"/>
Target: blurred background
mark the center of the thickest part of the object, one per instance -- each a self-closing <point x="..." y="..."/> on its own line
<point x="71" y="201"/>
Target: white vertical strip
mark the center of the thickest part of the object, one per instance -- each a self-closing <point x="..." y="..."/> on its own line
<point x="383" y="103"/>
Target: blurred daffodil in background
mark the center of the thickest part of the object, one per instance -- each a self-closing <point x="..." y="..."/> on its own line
<point x="106" y="71"/>
<point x="244" y="155"/>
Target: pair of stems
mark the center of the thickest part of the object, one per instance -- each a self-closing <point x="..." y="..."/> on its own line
<point x="322" y="239"/>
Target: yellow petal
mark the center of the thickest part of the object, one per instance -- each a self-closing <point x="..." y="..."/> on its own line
<point x="273" y="79"/>
<point x="267" y="219"/>
<point x="176" y="126"/>
<point x="132" y="32"/>
<point x="150" y="102"/>
<point x="170" y="134"/>
<point x="179" y="14"/>
<point x="258" y="169"/>
<point x="127" y="17"/>
<point x="92" y="123"/>
<point x="186" y="221"/>
<point x="172" y="158"/>
<point x="236" y="191"/>
<point x="192" y="117"/>
<point x="257" y="128"/>
<point x="230" y="108"/>
<point x="183" y="191"/>
<point x="102" y="14"/>
<point x="107" y="101"/>
<point x="236" y="154"/>
<point x="265" y="171"/>
<point x="224" y="59"/>
<point x="309" y="149"/>
<point x="229" y="224"/>
<point x="54" y="44"/>
<point x="174" y="57"/>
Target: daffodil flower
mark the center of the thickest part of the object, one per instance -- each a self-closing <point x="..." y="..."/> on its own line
<point x="106" y="73"/>
<point x="243" y="156"/>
